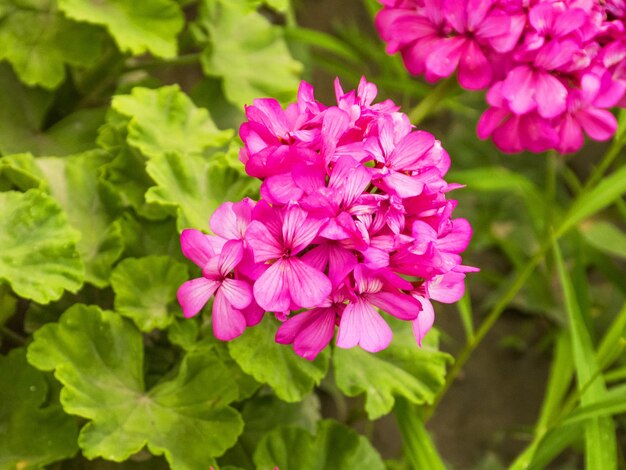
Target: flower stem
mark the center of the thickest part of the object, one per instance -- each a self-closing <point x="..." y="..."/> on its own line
<point x="15" y="337"/>
<point x="609" y="157"/>
<point x="562" y="228"/>
<point x="185" y="59"/>
<point x="431" y="100"/>
<point x="419" y="449"/>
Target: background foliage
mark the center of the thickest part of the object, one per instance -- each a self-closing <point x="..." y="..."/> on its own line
<point x="105" y="159"/>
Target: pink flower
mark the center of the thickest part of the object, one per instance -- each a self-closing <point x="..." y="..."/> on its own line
<point x="443" y="36"/>
<point x="288" y="283"/>
<point x="311" y="331"/>
<point x="532" y="54"/>
<point x="231" y="295"/>
<point x="584" y="114"/>
<point x="360" y="323"/>
<point x="351" y="198"/>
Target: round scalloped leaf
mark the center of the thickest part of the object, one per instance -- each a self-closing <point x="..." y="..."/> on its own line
<point x="291" y="376"/>
<point x="31" y="435"/>
<point x="166" y="120"/>
<point x="145" y="289"/>
<point x="403" y="369"/>
<point x="137" y="26"/>
<point x="243" y="43"/>
<point x="192" y="187"/>
<point x="334" y="446"/>
<point x="38" y="254"/>
<point x="38" y="41"/>
<point x="98" y="357"/>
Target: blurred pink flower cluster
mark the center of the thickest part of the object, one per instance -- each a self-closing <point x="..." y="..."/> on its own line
<point x="553" y="68"/>
<point x="353" y="218"/>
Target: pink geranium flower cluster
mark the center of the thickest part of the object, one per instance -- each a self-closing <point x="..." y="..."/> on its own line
<point x="553" y="68"/>
<point x="353" y="219"/>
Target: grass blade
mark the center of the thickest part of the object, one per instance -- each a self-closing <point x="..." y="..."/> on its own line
<point x="600" y="443"/>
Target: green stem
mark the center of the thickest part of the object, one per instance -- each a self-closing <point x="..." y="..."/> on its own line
<point x="488" y="323"/>
<point x="419" y="449"/>
<point x="15" y="337"/>
<point x="431" y="100"/>
<point x="186" y="59"/>
<point x="609" y="157"/>
<point x="521" y="278"/>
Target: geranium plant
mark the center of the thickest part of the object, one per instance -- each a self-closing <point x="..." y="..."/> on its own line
<point x="204" y="264"/>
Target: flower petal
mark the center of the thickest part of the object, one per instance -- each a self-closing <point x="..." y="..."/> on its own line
<point x="231" y="219"/>
<point x="270" y="289"/>
<point x="599" y="124"/>
<point x="489" y="121"/>
<point x="194" y="294"/>
<point x="550" y="94"/>
<point x="196" y="246"/>
<point x="399" y="305"/>
<point x="424" y="321"/>
<point x="409" y="151"/>
<point x="474" y="69"/>
<point x="444" y="60"/>
<point x="307" y="286"/>
<point x="237" y="292"/>
<point x="571" y="137"/>
<point x="280" y="189"/>
<point x="361" y="325"/>
<point x="228" y="323"/>
<point x="310" y="331"/>
<point x="264" y="245"/>
<point x="447" y="288"/>
<point x="299" y="229"/>
<point x="231" y="256"/>
<point x="350" y="177"/>
<point x="518" y="89"/>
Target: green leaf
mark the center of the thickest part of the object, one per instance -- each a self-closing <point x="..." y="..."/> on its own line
<point x="259" y="413"/>
<point x="612" y="344"/>
<point x="23" y="112"/>
<point x="8" y="303"/>
<point x="419" y="447"/>
<point x="38" y="256"/>
<point x="325" y="41"/>
<point x="291" y="376"/>
<point x="137" y="27"/>
<point x="127" y="174"/>
<point x="192" y="187"/>
<point x="601" y="447"/>
<point x="90" y="204"/>
<point x="278" y="5"/>
<point x="403" y="369"/>
<point x="31" y="435"/>
<point x="91" y="207"/>
<point x="145" y="289"/>
<point x="166" y="120"/>
<point x="75" y="133"/>
<point x="39" y="42"/>
<point x="614" y="405"/>
<point x="183" y="332"/>
<point x="608" y="190"/>
<point x="497" y="179"/>
<point x="143" y="237"/>
<point x="98" y="357"/>
<point x="561" y="373"/>
<point x="553" y="444"/>
<point x="606" y="237"/>
<point x="249" y="53"/>
<point x="334" y="447"/>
